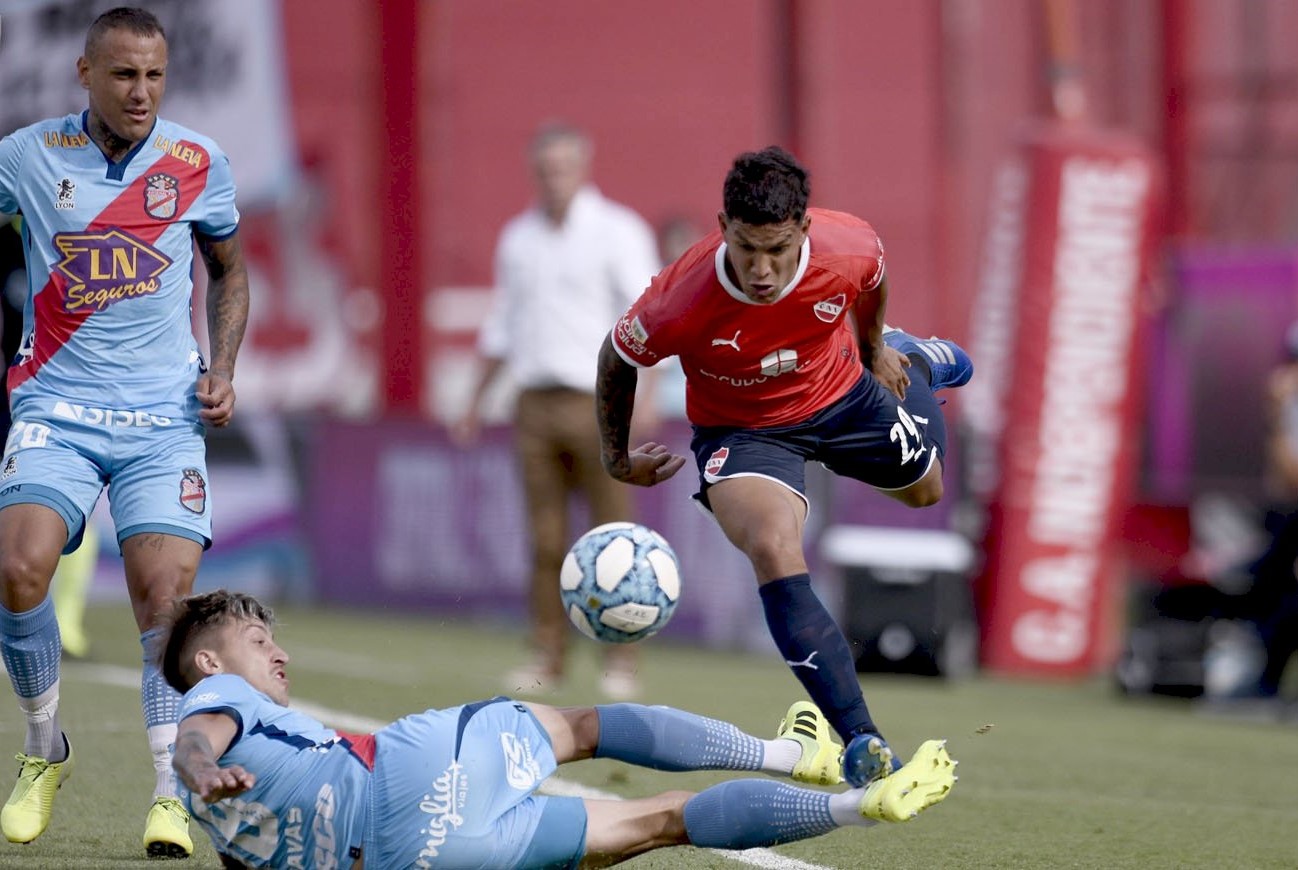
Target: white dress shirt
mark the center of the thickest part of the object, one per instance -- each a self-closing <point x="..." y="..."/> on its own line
<point x="560" y="288"/>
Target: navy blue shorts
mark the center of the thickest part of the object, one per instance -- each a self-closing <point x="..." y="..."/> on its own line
<point x="867" y="435"/>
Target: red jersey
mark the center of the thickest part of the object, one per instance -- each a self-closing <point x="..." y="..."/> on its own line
<point x="749" y="364"/>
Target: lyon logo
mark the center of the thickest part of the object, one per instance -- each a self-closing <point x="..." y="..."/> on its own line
<point x="67" y="191"/>
<point x="161" y="196"/>
<point x="829" y="309"/>
<point x="193" y="491"/>
<point x="716" y="460"/>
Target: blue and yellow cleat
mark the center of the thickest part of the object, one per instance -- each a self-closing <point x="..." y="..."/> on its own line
<point x="868" y="757"/>
<point x="821" y="757"/>
<point x="27" y="813"/>
<point x="950" y="365"/>
<point x="166" y="832"/>
<point x="919" y="784"/>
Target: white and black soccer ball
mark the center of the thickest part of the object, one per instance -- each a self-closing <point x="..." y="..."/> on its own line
<point x="620" y="582"/>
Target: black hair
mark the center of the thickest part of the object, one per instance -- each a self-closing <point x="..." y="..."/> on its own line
<point x="766" y="187"/>
<point x="193" y="617"/>
<point x="141" y="22"/>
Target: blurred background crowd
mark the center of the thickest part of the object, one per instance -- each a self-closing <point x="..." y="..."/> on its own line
<point x="1098" y="198"/>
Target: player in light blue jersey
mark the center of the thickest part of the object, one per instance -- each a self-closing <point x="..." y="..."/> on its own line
<point x="109" y="388"/>
<point x="451" y="788"/>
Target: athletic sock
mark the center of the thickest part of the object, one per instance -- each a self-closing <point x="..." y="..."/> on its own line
<point x="29" y="643"/>
<point x="817" y="652"/>
<point x="160" y="705"/>
<point x="748" y="813"/>
<point x="664" y="738"/>
<point x="845" y="808"/>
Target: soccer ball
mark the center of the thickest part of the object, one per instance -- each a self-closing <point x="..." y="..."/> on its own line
<point x="620" y="582"/>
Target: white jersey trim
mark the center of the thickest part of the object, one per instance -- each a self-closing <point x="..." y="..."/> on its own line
<point x="804" y="257"/>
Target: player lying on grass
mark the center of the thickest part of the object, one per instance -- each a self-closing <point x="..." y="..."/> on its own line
<point x="458" y="787"/>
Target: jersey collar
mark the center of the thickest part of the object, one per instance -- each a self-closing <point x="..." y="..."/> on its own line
<point x="116" y="170"/>
<point x="804" y="257"/>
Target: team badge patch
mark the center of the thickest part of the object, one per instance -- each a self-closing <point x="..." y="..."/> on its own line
<point x="631" y="332"/>
<point x="193" y="491"/>
<point x="716" y="460"/>
<point x="829" y="309"/>
<point x="66" y="193"/>
<point x="161" y="196"/>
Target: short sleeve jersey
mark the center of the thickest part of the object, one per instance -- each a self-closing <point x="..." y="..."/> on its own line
<point x="307" y="808"/>
<point x="755" y="365"/>
<point x="109" y="251"/>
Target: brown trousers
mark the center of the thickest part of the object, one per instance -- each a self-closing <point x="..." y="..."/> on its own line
<point x="557" y="442"/>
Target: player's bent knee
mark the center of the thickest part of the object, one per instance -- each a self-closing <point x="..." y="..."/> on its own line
<point x="775" y="556"/>
<point x="926" y="493"/>
<point x="583" y="722"/>
<point x="25" y="581"/>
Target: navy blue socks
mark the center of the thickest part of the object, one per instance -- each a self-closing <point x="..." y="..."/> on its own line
<point x="815" y="649"/>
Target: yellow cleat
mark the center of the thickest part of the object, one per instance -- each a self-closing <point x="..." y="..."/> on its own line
<point x="821" y="762"/>
<point x="919" y="784"/>
<point x="166" y="833"/>
<point x="27" y="813"/>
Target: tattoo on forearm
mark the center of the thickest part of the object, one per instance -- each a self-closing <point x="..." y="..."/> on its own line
<point x="192" y="751"/>
<point x="227" y="301"/>
<point x="614" y="402"/>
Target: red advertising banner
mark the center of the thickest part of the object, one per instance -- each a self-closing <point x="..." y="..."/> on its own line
<point x="1066" y="407"/>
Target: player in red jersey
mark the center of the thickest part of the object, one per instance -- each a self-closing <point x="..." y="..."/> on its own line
<point x="778" y="323"/>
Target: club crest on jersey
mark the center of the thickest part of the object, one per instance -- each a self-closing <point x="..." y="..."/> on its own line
<point x="829" y="309"/>
<point x="716" y="460"/>
<point x="66" y="194"/>
<point x="161" y="196"/>
<point x="193" y="491"/>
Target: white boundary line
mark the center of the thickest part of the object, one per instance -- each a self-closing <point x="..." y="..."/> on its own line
<point x="113" y="675"/>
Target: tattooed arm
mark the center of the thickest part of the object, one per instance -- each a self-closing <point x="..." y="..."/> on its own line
<point x="615" y="384"/>
<point x="227" y="315"/>
<point x="201" y="739"/>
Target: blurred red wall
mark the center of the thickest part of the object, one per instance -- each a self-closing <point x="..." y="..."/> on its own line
<point x="900" y="110"/>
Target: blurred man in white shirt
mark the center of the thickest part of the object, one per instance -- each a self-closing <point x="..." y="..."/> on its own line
<point x="565" y="270"/>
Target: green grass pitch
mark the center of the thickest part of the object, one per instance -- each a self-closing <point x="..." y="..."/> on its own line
<point x="1069" y="776"/>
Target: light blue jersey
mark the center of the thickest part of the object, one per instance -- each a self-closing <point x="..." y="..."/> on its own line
<point x="442" y="788"/>
<point x="308" y="806"/>
<point x="103" y="387"/>
<point x="109" y="251"/>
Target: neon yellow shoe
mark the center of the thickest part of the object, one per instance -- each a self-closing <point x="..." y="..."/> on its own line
<point x="919" y="784"/>
<point x="822" y="756"/>
<point x="27" y="813"/>
<point x="68" y="589"/>
<point x="166" y="833"/>
<point x="76" y="643"/>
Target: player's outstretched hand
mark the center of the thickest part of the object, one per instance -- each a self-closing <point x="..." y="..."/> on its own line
<point x="889" y="369"/>
<point x="217" y="395"/>
<point x="222" y="782"/>
<point x="651" y="463"/>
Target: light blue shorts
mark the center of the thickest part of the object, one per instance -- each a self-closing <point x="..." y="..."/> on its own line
<point x="456" y="788"/>
<point x="154" y="468"/>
